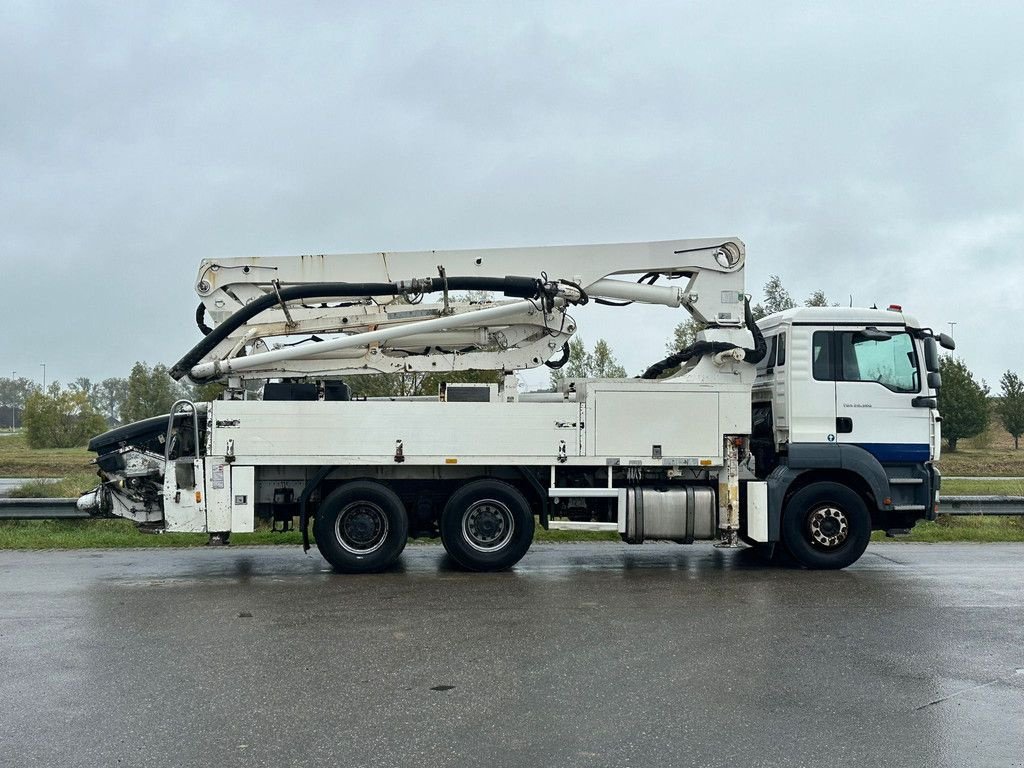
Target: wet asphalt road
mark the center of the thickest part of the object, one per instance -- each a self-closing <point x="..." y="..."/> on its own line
<point x="585" y="655"/>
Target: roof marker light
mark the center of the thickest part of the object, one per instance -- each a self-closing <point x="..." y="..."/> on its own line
<point x="895" y="308"/>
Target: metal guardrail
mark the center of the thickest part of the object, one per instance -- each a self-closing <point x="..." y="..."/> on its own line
<point x="65" y="509"/>
<point x="980" y="478"/>
<point x="981" y="505"/>
<point x="40" y="509"/>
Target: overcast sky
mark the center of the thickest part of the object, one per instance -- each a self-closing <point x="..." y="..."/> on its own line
<point x="865" y="149"/>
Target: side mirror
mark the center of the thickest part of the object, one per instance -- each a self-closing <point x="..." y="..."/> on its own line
<point x="947" y="341"/>
<point x="934" y="380"/>
<point x="931" y="354"/>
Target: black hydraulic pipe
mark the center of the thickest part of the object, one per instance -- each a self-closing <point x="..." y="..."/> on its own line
<point x="517" y="287"/>
<point x="201" y="319"/>
<point x="701" y="348"/>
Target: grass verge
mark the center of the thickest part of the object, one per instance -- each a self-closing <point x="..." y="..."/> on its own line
<point x="989" y="486"/>
<point x="981" y="528"/>
<point x="995" y="462"/>
<point x="65" y="488"/>
<point x="18" y="460"/>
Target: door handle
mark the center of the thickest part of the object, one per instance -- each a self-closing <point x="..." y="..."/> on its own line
<point x="844" y="425"/>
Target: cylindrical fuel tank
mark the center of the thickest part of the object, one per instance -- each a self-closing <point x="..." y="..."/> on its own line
<point x="675" y="514"/>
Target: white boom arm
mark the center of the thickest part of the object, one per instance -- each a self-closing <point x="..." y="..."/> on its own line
<point x="382" y="334"/>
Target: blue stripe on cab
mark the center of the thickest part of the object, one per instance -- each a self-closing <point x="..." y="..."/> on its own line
<point x="892" y="453"/>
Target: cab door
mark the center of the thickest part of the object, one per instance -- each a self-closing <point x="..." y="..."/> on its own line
<point x="811" y="397"/>
<point x="879" y="378"/>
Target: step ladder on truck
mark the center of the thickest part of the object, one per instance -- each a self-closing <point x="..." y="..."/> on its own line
<point x="803" y="432"/>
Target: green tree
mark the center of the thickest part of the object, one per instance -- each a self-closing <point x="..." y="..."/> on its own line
<point x="204" y="393"/>
<point x="576" y="368"/>
<point x="150" y="392"/>
<point x="963" y="402"/>
<point x="602" y="363"/>
<point x="776" y="298"/>
<point x="60" y="418"/>
<point x="1011" y="407"/>
<point x="415" y="383"/>
<point x="598" y="364"/>
<point x="109" y="395"/>
<point x="13" y="394"/>
<point x="82" y="384"/>
<point x="683" y="335"/>
<point x="817" y="299"/>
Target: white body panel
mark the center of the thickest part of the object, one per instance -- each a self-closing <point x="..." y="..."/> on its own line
<point x="183" y="512"/>
<point x="617" y="421"/>
<point x="218" y="496"/>
<point x="368" y="432"/>
<point x="757" y="511"/>
<point x="243" y="499"/>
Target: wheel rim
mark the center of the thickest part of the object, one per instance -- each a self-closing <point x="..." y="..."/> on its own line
<point x="361" y="527"/>
<point x="828" y="527"/>
<point x="487" y="525"/>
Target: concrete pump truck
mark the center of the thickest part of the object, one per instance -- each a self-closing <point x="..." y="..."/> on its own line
<point x="805" y="431"/>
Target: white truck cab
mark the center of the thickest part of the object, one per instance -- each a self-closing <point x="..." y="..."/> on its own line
<point x="850" y="394"/>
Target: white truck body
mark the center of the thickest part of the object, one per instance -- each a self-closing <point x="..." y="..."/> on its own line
<point x="824" y="432"/>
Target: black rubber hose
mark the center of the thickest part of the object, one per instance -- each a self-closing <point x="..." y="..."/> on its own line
<point x="755" y="355"/>
<point x="517" y="287"/>
<point x="561" y="361"/>
<point x="201" y="320"/>
<point x="701" y="348"/>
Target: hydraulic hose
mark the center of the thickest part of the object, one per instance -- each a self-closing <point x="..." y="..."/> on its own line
<point x="561" y="361"/>
<point x="700" y="348"/>
<point x="201" y="320"/>
<point x="513" y="286"/>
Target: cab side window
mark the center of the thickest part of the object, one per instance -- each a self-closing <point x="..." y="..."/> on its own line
<point x="861" y="356"/>
<point x="821" y="356"/>
<point x="891" y="362"/>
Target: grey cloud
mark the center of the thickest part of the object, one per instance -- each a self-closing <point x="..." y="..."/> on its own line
<point x="870" y="148"/>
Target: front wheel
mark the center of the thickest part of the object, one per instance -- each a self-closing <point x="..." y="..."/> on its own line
<point x="361" y="527"/>
<point x="487" y="525"/>
<point x="826" y="526"/>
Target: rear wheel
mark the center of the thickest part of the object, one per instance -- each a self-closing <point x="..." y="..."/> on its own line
<point x="826" y="526"/>
<point x="487" y="525"/>
<point x="361" y="527"/>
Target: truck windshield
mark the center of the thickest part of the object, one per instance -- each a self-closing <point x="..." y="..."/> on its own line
<point x="891" y="363"/>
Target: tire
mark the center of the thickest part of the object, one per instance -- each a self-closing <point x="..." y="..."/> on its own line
<point x="361" y="527"/>
<point x="826" y="526"/>
<point x="487" y="525"/>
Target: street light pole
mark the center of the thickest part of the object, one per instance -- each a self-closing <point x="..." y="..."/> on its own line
<point x="14" y="404"/>
<point x="44" y="377"/>
<point x="951" y="324"/>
